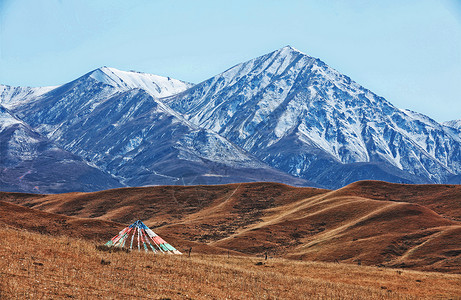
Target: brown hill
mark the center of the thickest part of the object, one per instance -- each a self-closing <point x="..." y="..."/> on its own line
<point x="441" y="198"/>
<point x="373" y="223"/>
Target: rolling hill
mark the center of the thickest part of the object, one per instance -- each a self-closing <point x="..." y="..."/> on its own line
<point x="408" y="226"/>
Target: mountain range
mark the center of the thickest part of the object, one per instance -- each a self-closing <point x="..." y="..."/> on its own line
<point x="284" y="116"/>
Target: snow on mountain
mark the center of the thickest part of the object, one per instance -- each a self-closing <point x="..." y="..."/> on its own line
<point x="11" y="96"/>
<point x="158" y="86"/>
<point x="292" y="110"/>
<point x="456" y="124"/>
<point x="454" y="129"/>
<point x="32" y="163"/>
<point x="7" y="119"/>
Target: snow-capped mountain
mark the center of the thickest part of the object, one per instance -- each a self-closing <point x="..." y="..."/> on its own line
<point x="300" y="116"/>
<point x="11" y="96"/>
<point x="30" y="162"/>
<point x="284" y="116"/>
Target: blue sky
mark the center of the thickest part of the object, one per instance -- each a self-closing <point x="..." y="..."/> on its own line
<point x="406" y="51"/>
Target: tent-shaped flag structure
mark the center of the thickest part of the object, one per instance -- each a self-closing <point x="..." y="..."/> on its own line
<point x="144" y="236"/>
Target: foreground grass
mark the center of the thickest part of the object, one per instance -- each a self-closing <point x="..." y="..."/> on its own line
<point x="34" y="266"/>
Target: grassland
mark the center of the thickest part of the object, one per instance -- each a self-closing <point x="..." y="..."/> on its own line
<point x="414" y="227"/>
<point x="37" y="266"/>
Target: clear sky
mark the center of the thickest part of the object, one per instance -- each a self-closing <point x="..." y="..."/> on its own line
<point x="406" y="51"/>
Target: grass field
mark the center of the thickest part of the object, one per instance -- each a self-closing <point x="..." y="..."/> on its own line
<point x="35" y="266"/>
<point x="414" y="227"/>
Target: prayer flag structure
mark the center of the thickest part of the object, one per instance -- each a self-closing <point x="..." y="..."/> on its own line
<point x="144" y="236"/>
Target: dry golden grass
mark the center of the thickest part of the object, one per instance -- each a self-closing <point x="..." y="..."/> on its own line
<point x="380" y="224"/>
<point x="34" y="266"/>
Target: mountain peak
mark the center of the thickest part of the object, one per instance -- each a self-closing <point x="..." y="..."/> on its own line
<point x="156" y="85"/>
<point x="289" y="51"/>
<point x="290" y="48"/>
